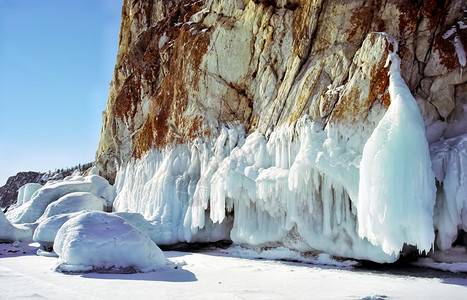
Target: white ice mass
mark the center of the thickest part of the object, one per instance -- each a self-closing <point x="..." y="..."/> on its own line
<point x="95" y="240"/>
<point x="397" y="187"/>
<point x="26" y="191"/>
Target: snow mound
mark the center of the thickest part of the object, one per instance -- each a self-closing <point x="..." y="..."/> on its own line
<point x="97" y="240"/>
<point x="32" y="210"/>
<point x="397" y="188"/>
<point x="74" y="202"/>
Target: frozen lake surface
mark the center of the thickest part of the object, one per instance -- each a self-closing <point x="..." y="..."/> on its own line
<point x="221" y="274"/>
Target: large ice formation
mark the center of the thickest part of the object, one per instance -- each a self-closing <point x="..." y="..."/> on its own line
<point x="354" y="193"/>
<point x="397" y="188"/>
<point x="96" y="240"/>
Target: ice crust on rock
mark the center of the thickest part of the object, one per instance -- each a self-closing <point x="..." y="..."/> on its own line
<point x="98" y="240"/>
<point x="32" y="210"/>
<point x="397" y="188"/>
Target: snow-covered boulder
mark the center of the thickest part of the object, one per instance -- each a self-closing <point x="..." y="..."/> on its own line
<point x="74" y="202"/>
<point x="47" y="230"/>
<point x="10" y="232"/>
<point x="97" y="240"/>
<point x="33" y="210"/>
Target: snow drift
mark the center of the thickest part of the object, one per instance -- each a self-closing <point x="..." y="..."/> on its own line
<point x="36" y="204"/>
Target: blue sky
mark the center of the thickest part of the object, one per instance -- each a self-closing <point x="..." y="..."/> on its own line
<point x="56" y="63"/>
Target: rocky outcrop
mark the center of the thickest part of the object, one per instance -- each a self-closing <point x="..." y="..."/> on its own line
<point x="184" y="67"/>
<point x="9" y="192"/>
<point x="253" y="114"/>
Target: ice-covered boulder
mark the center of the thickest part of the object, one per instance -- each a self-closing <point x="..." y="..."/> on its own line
<point x="97" y="240"/>
<point x="74" y="202"/>
<point x="10" y="232"/>
<point x="47" y="230"/>
<point x="33" y="210"/>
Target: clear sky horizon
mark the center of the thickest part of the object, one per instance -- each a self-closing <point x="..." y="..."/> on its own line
<point x="56" y="63"/>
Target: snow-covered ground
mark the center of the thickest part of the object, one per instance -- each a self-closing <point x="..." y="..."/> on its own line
<point x="222" y="274"/>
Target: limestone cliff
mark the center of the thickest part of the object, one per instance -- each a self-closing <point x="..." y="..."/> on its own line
<point x="184" y="67"/>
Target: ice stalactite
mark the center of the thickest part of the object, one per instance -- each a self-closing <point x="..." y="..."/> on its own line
<point x="450" y="166"/>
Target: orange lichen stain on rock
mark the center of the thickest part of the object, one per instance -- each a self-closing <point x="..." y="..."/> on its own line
<point x="446" y="49"/>
<point x="192" y="128"/>
<point x="408" y="16"/>
<point x="144" y="138"/>
<point x="354" y="107"/>
<point x="167" y="123"/>
<point x="129" y="96"/>
<point x="300" y="27"/>
<point x="379" y="84"/>
<point x="431" y="9"/>
<point x="359" y="20"/>
<point x="348" y="108"/>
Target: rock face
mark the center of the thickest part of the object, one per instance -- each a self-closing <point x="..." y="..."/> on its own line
<point x="186" y="68"/>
